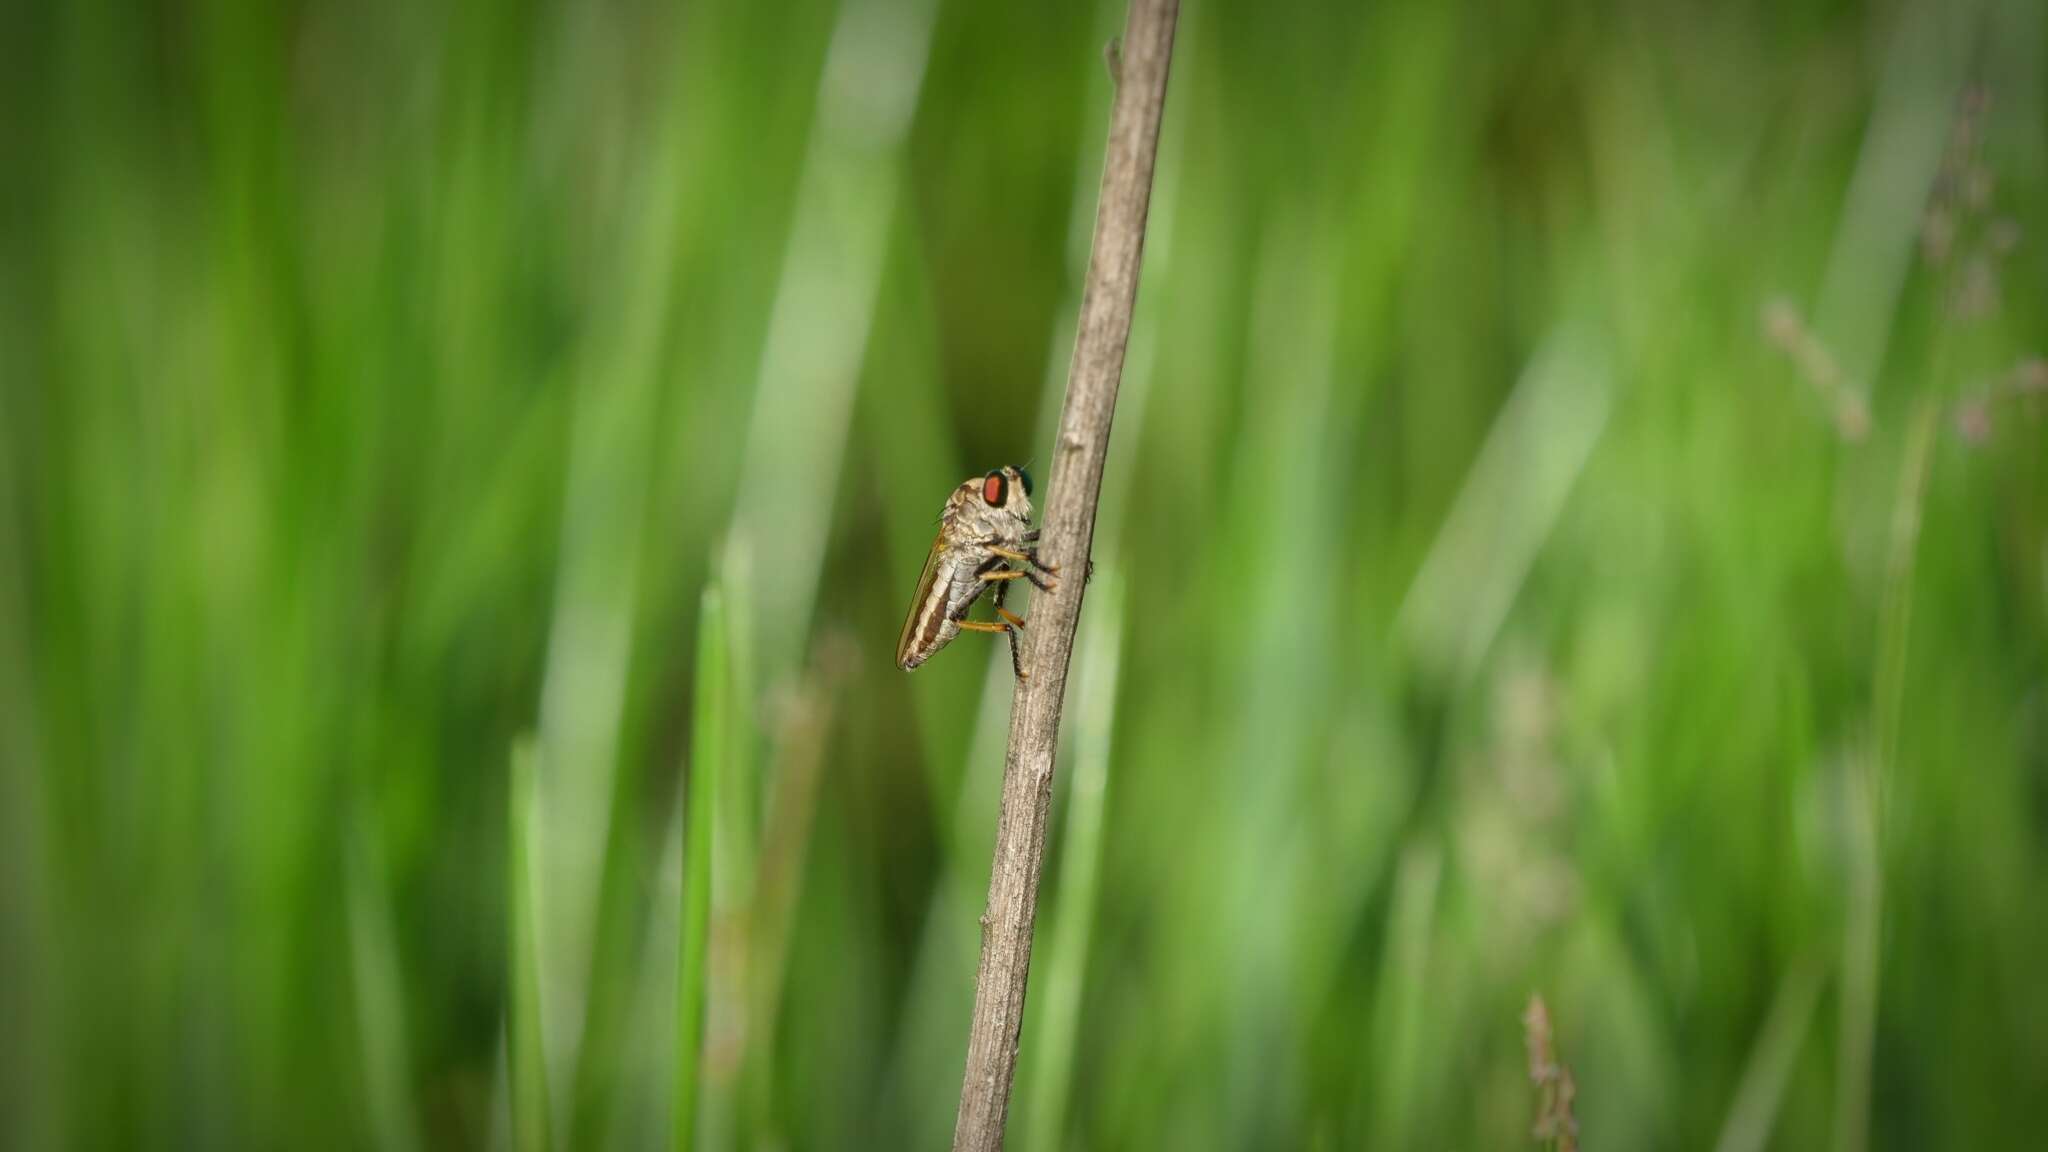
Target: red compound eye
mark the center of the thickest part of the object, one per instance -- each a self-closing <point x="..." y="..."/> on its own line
<point x="993" y="489"/>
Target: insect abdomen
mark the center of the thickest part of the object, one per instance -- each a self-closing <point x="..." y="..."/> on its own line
<point x="934" y="616"/>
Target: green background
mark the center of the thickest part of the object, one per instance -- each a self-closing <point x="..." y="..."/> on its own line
<point x="1577" y="523"/>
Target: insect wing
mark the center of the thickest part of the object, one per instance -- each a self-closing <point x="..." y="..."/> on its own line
<point x="925" y="589"/>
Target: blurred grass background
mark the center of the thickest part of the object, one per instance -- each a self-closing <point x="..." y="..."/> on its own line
<point x="1577" y="523"/>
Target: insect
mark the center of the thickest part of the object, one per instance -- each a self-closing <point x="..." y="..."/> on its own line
<point x="985" y="541"/>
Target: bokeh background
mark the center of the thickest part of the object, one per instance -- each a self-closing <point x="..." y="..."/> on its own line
<point x="1577" y="524"/>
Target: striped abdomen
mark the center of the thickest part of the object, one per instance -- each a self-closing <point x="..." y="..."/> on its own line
<point x="948" y="587"/>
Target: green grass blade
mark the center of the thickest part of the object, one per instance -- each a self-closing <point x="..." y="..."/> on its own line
<point x="528" y="1061"/>
<point x="1057" y="1018"/>
<point x="710" y="746"/>
<point x="1772" y="1062"/>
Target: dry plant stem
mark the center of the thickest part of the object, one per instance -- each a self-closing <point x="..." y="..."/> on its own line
<point x="1069" y="530"/>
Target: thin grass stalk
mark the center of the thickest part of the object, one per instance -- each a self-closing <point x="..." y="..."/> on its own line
<point x="1863" y="928"/>
<point x="527" y="1057"/>
<point x="1068" y="536"/>
<point x="710" y="745"/>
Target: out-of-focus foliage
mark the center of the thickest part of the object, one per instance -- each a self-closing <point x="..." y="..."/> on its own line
<point x="1577" y="523"/>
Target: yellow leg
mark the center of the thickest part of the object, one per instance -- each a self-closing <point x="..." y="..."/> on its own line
<point x="1015" y="620"/>
<point x="1016" y="658"/>
<point x="1025" y="558"/>
<point x="1001" y="574"/>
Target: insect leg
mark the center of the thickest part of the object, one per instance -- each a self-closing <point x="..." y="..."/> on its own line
<point x="1000" y="574"/>
<point x="1037" y="581"/>
<point x="1027" y="561"/>
<point x="1015" y="621"/>
<point x="1016" y="624"/>
<point x="1010" y="623"/>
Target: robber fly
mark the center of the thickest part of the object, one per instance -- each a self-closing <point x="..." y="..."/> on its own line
<point x="985" y="540"/>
